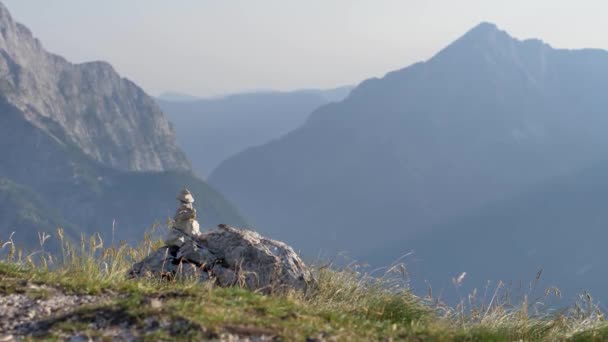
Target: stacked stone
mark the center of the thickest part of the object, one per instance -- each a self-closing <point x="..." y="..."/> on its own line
<point x="185" y="222"/>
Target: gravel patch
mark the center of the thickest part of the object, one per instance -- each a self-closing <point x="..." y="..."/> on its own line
<point x="34" y="312"/>
<point x="20" y="312"/>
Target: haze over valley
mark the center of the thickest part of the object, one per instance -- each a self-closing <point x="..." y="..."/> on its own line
<point x="211" y="130"/>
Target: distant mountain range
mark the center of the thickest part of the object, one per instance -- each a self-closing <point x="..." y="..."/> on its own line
<point x="82" y="148"/>
<point x="211" y="130"/>
<point x="401" y="163"/>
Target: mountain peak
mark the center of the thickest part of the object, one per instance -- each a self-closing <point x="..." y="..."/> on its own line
<point x="485" y="27"/>
<point x="485" y="31"/>
<point x="483" y="37"/>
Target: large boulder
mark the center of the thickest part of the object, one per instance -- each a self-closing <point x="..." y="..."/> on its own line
<point x="227" y="256"/>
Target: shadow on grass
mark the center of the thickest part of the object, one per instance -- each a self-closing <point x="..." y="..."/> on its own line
<point x="116" y="319"/>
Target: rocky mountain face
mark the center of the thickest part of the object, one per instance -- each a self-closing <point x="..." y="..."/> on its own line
<point x="487" y="118"/>
<point x="84" y="149"/>
<point x="108" y="117"/>
<point x="212" y="130"/>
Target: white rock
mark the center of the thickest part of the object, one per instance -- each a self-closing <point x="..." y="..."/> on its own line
<point x="185" y="196"/>
<point x="190" y="227"/>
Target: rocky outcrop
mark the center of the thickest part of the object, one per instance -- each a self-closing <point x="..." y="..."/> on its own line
<point x="87" y="105"/>
<point x="228" y="256"/>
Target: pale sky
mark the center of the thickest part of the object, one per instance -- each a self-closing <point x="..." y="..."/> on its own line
<point x="210" y="47"/>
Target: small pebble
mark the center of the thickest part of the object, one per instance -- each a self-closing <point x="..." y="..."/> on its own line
<point x="156" y="303"/>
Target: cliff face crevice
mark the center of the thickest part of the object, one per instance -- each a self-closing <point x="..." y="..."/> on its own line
<point x="110" y="118"/>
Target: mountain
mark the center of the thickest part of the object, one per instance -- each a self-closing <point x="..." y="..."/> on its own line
<point x="109" y="118"/>
<point x="558" y="226"/>
<point x="483" y="120"/>
<point x="211" y="130"/>
<point x="84" y="148"/>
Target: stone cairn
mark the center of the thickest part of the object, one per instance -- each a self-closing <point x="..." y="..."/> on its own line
<point x="184" y="221"/>
<point x="227" y="256"/>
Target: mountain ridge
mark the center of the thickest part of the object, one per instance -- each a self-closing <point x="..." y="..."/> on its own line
<point x="426" y="143"/>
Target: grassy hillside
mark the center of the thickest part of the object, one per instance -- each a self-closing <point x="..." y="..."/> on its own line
<point x="97" y="300"/>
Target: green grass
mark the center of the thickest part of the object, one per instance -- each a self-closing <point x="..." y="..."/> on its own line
<point x="344" y="304"/>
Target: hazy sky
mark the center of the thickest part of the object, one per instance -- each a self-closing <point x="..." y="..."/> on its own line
<point x="207" y="47"/>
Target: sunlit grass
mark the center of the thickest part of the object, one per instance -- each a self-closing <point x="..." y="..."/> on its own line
<point x="345" y="303"/>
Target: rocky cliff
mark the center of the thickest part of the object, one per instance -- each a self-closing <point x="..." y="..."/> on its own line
<point x="108" y="117"/>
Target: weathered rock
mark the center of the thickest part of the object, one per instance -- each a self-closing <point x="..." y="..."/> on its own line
<point x="229" y="256"/>
<point x="175" y="238"/>
<point x="184" y="214"/>
<point x="225" y="276"/>
<point x="189" y="227"/>
<point x="185" y="196"/>
<point x="184" y="219"/>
